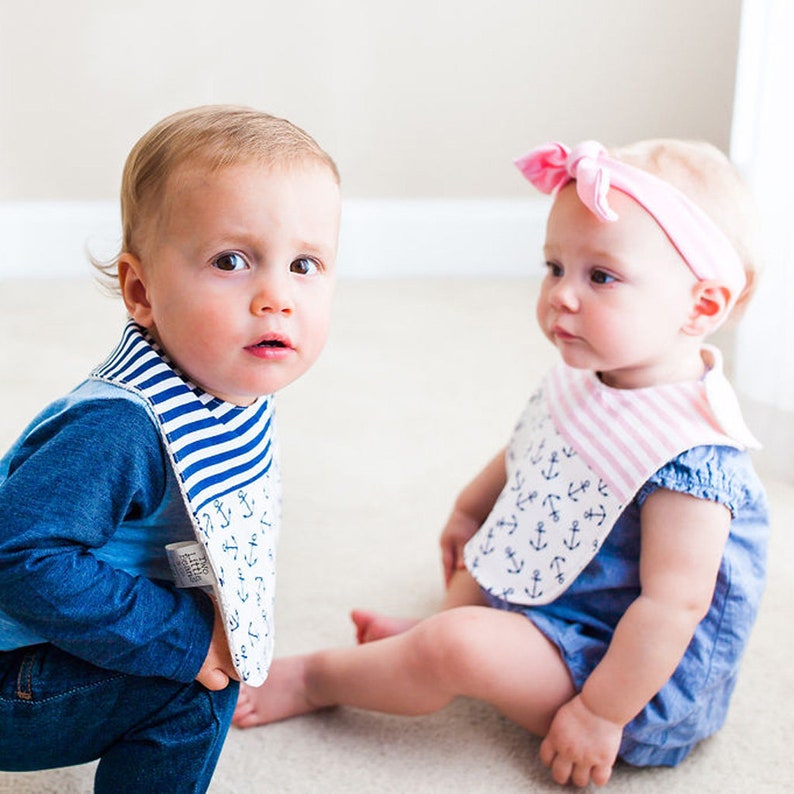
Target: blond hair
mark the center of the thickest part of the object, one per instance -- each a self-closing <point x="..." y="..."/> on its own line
<point x="214" y="137"/>
<point x="708" y="178"/>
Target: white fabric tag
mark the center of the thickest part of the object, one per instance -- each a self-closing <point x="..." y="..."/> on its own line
<point x="190" y="565"/>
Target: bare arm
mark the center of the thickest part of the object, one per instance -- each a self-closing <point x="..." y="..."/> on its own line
<point x="470" y="510"/>
<point x="682" y="544"/>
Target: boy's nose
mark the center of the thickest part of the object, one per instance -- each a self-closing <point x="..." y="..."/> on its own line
<point x="273" y="295"/>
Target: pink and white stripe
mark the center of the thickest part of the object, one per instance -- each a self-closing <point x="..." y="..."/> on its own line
<point x="611" y="431"/>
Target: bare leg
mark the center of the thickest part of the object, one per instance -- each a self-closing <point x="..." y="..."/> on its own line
<point x="371" y="626"/>
<point x="463" y="590"/>
<point x="260" y="705"/>
<point x="282" y="695"/>
<point x="495" y="656"/>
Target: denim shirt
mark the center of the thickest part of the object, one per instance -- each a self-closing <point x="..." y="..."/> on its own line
<point x="87" y="502"/>
<point x="694" y="703"/>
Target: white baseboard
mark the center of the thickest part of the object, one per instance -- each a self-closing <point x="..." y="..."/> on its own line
<point x="466" y="237"/>
<point x="380" y="238"/>
<point x="51" y="239"/>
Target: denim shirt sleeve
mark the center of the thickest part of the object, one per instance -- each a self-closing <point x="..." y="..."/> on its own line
<point x="70" y="484"/>
<point x="717" y="474"/>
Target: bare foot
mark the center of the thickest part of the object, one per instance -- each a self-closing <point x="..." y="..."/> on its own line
<point x="283" y="695"/>
<point x="371" y="626"/>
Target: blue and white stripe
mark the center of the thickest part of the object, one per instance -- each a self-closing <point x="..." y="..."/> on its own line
<point x="216" y="447"/>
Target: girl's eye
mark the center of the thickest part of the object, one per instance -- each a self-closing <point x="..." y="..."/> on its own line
<point x="554" y="269"/>
<point x="601" y="277"/>
<point x="230" y="262"/>
<point x="304" y="266"/>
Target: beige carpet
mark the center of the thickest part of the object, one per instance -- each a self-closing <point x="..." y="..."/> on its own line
<point x="420" y="384"/>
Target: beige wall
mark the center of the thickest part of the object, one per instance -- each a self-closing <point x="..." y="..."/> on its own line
<point x="416" y="98"/>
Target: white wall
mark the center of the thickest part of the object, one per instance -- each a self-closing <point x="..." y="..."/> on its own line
<point x="763" y="128"/>
<point x="428" y="98"/>
<point x="421" y="99"/>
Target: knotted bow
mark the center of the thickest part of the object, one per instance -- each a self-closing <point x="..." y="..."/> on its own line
<point x="552" y="166"/>
<point x="704" y="247"/>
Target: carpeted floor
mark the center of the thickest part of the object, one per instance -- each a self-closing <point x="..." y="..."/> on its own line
<point x="420" y="384"/>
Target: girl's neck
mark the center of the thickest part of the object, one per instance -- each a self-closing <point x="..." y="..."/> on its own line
<point x="672" y="370"/>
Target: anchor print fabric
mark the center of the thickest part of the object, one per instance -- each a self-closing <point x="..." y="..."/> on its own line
<point x="549" y="520"/>
<point x="227" y="465"/>
<point x="239" y="532"/>
<point x="578" y="455"/>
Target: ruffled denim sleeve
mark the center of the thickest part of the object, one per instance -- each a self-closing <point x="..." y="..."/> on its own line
<point x="719" y="474"/>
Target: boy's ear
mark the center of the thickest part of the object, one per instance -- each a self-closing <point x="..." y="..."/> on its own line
<point x="709" y="308"/>
<point x="132" y="281"/>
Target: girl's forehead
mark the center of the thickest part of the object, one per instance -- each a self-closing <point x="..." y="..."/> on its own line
<point x="569" y="214"/>
<point x="634" y="240"/>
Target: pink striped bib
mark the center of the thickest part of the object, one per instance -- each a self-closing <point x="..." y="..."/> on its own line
<point x="579" y="454"/>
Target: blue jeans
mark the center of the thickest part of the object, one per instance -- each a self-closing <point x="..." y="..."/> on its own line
<point x="149" y="734"/>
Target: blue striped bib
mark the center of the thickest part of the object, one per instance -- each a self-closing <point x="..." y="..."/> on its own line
<point x="226" y="462"/>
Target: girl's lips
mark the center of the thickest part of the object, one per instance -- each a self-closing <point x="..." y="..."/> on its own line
<point x="562" y="334"/>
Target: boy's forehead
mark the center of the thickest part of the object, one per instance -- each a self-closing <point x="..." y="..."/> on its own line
<point x="201" y="193"/>
<point x="201" y="172"/>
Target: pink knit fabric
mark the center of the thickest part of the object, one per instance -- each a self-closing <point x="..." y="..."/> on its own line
<point x="700" y="242"/>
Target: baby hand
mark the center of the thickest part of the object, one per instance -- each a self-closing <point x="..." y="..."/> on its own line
<point x="580" y="746"/>
<point x="218" y="667"/>
<point x="458" y="530"/>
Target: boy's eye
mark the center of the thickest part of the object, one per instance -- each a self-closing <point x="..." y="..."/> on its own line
<point x="601" y="277"/>
<point x="229" y="262"/>
<point x="304" y="266"/>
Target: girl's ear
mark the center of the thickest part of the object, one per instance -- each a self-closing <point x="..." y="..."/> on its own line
<point x="709" y="308"/>
<point x="132" y="280"/>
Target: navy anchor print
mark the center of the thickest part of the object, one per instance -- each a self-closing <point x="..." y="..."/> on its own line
<point x="549" y="520"/>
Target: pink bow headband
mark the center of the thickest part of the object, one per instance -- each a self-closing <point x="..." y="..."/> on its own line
<point x="700" y="242"/>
